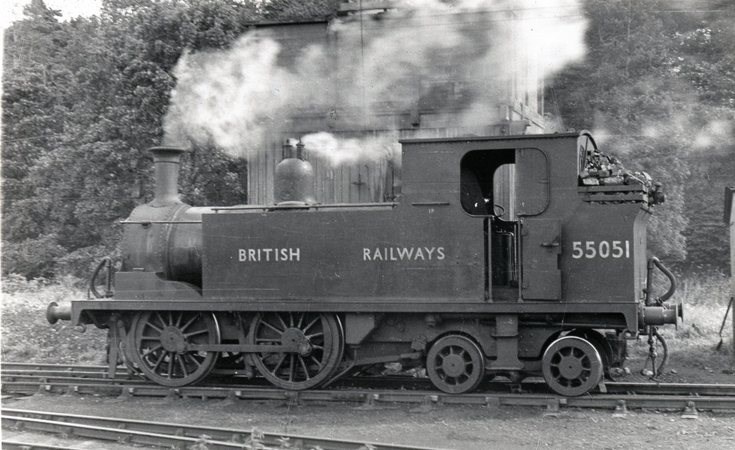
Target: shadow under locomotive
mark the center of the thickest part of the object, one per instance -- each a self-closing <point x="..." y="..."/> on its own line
<point x="499" y="257"/>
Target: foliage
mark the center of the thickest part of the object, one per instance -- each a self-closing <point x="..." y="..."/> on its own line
<point x="296" y="10"/>
<point x="28" y="337"/>
<point x="82" y="102"/>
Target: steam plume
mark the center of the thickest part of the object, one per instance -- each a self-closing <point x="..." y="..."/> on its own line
<point x="234" y="98"/>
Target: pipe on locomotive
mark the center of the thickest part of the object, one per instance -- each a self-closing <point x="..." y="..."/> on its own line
<point x="655" y="310"/>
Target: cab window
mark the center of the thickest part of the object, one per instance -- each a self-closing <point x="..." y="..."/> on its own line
<point x="487" y="182"/>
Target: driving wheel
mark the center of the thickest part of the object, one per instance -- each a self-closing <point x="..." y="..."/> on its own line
<point x="455" y="364"/>
<point x="572" y="366"/>
<point x="317" y="338"/>
<point x="159" y="342"/>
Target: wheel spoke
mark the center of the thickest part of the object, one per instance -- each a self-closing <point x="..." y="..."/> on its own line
<point x="195" y="333"/>
<point x="280" y="362"/>
<point x="316" y="361"/>
<point x="160" y="330"/>
<point x="303" y="365"/>
<point x="188" y="324"/>
<point x="272" y="327"/>
<point x="191" y="357"/>
<point x="311" y="324"/>
<point x="159" y="361"/>
<point x="160" y="319"/>
<point x="170" y="365"/>
<point x="312" y="336"/>
<point x="179" y="316"/>
<point x="151" y="350"/>
<point x="301" y="320"/>
<point x="291" y="366"/>
<point x="280" y="319"/>
<point x="182" y="364"/>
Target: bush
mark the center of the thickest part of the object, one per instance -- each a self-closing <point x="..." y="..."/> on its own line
<point x="693" y="342"/>
<point x="28" y="337"/>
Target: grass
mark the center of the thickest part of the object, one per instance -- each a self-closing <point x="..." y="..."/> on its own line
<point x="693" y="343"/>
<point x="27" y="336"/>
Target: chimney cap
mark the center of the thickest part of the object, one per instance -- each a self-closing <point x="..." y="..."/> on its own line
<point x="168" y="148"/>
<point x="167" y="152"/>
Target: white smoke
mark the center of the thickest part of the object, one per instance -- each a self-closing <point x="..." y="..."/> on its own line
<point x="234" y="98"/>
<point x="351" y="150"/>
<point x="716" y="133"/>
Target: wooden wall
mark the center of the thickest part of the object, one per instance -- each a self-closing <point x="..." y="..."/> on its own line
<point x="516" y="108"/>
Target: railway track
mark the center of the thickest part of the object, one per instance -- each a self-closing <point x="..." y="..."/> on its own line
<point x="174" y="435"/>
<point x="28" y="379"/>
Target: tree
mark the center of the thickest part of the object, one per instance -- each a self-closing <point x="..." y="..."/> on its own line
<point x="652" y="81"/>
<point x="69" y="194"/>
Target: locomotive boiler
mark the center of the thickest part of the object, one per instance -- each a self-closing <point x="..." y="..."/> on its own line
<point x="513" y="256"/>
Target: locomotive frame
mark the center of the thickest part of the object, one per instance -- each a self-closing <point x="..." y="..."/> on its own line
<point x="470" y="272"/>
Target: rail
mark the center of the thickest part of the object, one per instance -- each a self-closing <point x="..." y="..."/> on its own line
<point x="29" y="379"/>
<point x="176" y="435"/>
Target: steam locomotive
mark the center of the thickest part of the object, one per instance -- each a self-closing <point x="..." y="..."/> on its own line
<point x="513" y="255"/>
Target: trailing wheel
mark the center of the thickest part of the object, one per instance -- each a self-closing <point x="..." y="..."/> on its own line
<point x="572" y="366"/>
<point x="455" y="364"/>
<point x="319" y="341"/>
<point x="601" y="344"/>
<point x="159" y="343"/>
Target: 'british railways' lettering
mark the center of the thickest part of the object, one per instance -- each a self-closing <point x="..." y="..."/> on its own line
<point x="268" y="254"/>
<point x="403" y="254"/>
<point x="368" y="254"/>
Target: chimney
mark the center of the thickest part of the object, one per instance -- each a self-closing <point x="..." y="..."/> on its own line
<point x="166" y="161"/>
<point x="294" y="182"/>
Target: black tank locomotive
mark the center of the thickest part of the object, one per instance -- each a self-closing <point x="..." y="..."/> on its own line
<point x="501" y="256"/>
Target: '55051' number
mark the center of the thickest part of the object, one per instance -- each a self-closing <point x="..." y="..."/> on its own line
<point x="601" y="249"/>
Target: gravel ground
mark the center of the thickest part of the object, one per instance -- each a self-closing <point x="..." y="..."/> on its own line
<point x="445" y="427"/>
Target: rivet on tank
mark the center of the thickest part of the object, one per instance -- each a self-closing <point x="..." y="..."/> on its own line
<point x="294" y="182"/>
